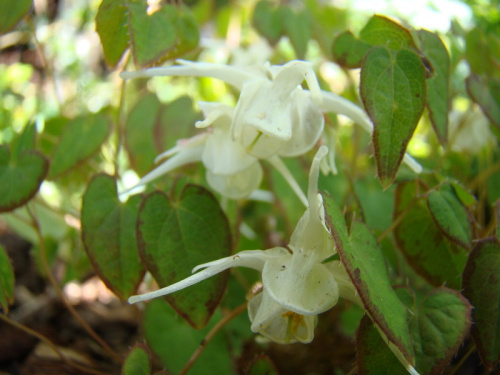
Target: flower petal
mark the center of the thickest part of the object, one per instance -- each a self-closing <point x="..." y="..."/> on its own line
<point x="300" y="284"/>
<point x="238" y="185"/>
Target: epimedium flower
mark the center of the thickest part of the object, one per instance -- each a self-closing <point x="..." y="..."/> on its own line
<point x="274" y="115"/>
<point x="229" y="169"/>
<point x="297" y="286"/>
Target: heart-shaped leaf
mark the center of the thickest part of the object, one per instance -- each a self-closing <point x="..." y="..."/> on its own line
<point x="137" y="361"/>
<point x="437" y="85"/>
<point x="382" y="31"/>
<point x="82" y="137"/>
<point x="438" y="328"/>
<point x="450" y="215"/>
<point x="152" y="34"/>
<point x="364" y="262"/>
<point x="111" y="24"/>
<point x="297" y="26"/>
<point x="481" y="285"/>
<point x="108" y="232"/>
<point x="6" y="281"/>
<point x="393" y="92"/>
<point x="174" y="237"/>
<point x="349" y="51"/>
<point x="427" y="250"/>
<point x="20" y="177"/>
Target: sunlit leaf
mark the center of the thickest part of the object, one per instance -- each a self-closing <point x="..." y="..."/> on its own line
<point x="482" y="288"/>
<point x="437" y="85"/>
<point x="383" y="31"/>
<point x="349" y="51"/>
<point x="112" y="26"/>
<point x="6" y="281"/>
<point x="82" y="137"/>
<point x="12" y="12"/>
<point x="393" y="92"/>
<point x="20" y="177"/>
<point x="267" y="20"/>
<point x="297" y="26"/>
<point x="108" y="232"/>
<point x="174" y="237"/>
<point x="427" y="250"/>
<point x="450" y="215"/>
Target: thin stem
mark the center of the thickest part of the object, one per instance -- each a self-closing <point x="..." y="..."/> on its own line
<point x="41" y="337"/>
<point x="120" y="119"/>
<point x="398" y="219"/>
<point x="237" y="311"/>
<point x="43" y="256"/>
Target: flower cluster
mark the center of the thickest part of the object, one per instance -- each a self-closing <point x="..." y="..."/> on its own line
<point x="274" y="117"/>
<point x="297" y="285"/>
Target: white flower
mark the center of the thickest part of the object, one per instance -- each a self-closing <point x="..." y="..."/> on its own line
<point x="229" y="169"/>
<point x="274" y="115"/>
<point x="297" y="286"/>
<point x="469" y="131"/>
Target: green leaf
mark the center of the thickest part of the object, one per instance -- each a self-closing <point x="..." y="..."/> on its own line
<point x="481" y="52"/>
<point x="297" y="25"/>
<point x="174" y="341"/>
<point x="188" y="35"/>
<point x="82" y="137"/>
<point x="12" y="12"/>
<point x="441" y="324"/>
<point x="393" y="92"/>
<point x="465" y="197"/>
<point x="348" y="51"/>
<point x="152" y="35"/>
<point x="174" y="237"/>
<point x="152" y="127"/>
<point x="438" y="96"/>
<point x="382" y="31"/>
<point x="111" y="25"/>
<point x="20" y="177"/>
<point x="137" y="361"/>
<point x="268" y="21"/>
<point x="373" y="355"/>
<point x="482" y="288"/>
<point x="261" y="365"/>
<point x="438" y="328"/>
<point x="450" y="215"/>
<point x="426" y="249"/>
<point x="6" y="281"/>
<point x="25" y="141"/>
<point x="108" y="232"/>
<point x="485" y="91"/>
<point x="365" y="265"/>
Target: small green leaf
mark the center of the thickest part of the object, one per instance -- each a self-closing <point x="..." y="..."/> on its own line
<point x="426" y="249"/>
<point x="12" y="12"/>
<point x="450" y="215"/>
<point x="174" y="237"/>
<point x="441" y="324"/>
<point x="393" y="92"/>
<point x="137" y="361"/>
<point x="382" y="31"/>
<point x="20" y="177"/>
<point x="6" y="281"/>
<point x="482" y="288"/>
<point x="152" y="35"/>
<point x="82" y="137"/>
<point x="111" y="25"/>
<point x="465" y="197"/>
<point x="297" y="25"/>
<point x="437" y="85"/>
<point x="373" y="355"/>
<point x="174" y="341"/>
<point x="108" y="232"/>
<point x="348" y="51"/>
<point x="485" y="91"/>
<point x="267" y="20"/>
<point x="261" y="365"/>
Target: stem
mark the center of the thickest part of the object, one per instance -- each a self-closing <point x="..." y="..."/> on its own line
<point x="120" y="119"/>
<point x="237" y="311"/>
<point x="43" y="256"/>
<point x="41" y="337"/>
<point x="398" y="219"/>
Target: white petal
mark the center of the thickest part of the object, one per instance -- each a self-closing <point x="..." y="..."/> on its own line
<point x="186" y="156"/>
<point x="182" y="144"/>
<point x="235" y="76"/>
<point x="238" y="185"/>
<point x="300" y="284"/>
<point x="277" y="163"/>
